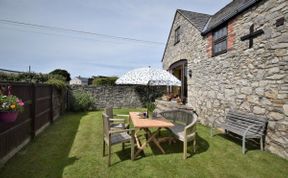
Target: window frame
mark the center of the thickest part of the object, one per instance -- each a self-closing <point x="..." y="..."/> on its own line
<point x="177" y="35"/>
<point x="219" y="40"/>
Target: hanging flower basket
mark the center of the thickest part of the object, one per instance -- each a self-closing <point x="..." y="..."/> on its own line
<point x="8" y="116"/>
<point x="10" y="106"/>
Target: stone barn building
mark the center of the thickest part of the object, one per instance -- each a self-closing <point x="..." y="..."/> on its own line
<point x="234" y="59"/>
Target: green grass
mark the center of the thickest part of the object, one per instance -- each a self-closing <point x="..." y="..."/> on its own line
<point x="72" y="147"/>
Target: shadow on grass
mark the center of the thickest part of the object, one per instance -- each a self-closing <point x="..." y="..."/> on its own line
<point x="48" y="154"/>
<point x="170" y="148"/>
<point x="251" y="144"/>
<point x="125" y="154"/>
<point x="201" y="146"/>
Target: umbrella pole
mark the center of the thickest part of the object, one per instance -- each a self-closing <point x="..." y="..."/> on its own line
<point x="147" y="104"/>
<point x="150" y="105"/>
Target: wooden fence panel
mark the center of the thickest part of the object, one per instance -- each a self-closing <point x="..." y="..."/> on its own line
<point x="14" y="134"/>
<point x="43" y="104"/>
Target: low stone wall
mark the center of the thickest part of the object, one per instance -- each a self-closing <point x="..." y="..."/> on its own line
<point x="121" y="96"/>
<point x="163" y="105"/>
<point x="59" y="102"/>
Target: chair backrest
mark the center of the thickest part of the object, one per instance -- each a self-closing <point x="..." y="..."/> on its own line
<point x="106" y="124"/>
<point x="109" y="111"/>
<point x="182" y="116"/>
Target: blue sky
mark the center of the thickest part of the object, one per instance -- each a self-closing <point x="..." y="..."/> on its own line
<point x="83" y="54"/>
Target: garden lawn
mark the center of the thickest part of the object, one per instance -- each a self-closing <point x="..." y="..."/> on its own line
<point x="72" y="147"/>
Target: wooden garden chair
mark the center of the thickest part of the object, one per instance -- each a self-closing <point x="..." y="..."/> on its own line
<point x="115" y="136"/>
<point x="115" y="123"/>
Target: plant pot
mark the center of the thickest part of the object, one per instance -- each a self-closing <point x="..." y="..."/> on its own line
<point x="8" y="116"/>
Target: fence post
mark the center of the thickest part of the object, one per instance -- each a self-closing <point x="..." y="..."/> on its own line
<point x="51" y="105"/>
<point x="67" y="100"/>
<point x="33" y="110"/>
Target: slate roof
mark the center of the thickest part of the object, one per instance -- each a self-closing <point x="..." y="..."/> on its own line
<point x="206" y="23"/>
<point x="83" y="79"/>
<point x="229" y="11"/>
<point x="199" y="20"/>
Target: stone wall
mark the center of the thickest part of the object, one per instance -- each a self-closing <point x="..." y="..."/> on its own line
<point x="59" y="102"/>
<point x="189" y="42"/>
<point x="121" y="96"/>
<point x="253" y="80"/>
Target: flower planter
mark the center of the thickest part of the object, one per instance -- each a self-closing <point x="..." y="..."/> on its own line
<point x="8" y="116"/>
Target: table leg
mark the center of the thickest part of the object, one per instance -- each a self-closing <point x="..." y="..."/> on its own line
<point x="155" y="141"/>
<point x="151" y="137"/>
<point x="141" y="148"/>
<point x="137" y="140"/>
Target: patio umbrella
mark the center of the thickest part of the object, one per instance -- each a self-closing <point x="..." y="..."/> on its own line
<point x="149" y="77"/>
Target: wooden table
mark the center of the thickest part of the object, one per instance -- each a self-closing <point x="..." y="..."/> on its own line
<point x="145" y="124"/>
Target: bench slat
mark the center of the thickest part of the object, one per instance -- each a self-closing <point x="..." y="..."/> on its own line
<point x="242" y="129"/>
<point x="243" y="122"/>
<point x="241" y="132"/>
<point x="239" y="127"/>
<point x="257" y="128"/>
<point x="247" y="117"/>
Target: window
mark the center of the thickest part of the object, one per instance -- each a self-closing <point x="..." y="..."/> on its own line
<point x="220" y="41"/>
<point x="177" y="35"/>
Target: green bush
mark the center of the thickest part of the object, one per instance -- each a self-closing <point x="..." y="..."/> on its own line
<point x="24" y="77"/>
<point x="81" y="100"/>
<point x="63" y="73"/>
<point x="58" y="77"/>
<point x="59" y="84"/>
<point x="32" y="77"/>
<point x="150" y="106"/>
<point x="100" y="81"/>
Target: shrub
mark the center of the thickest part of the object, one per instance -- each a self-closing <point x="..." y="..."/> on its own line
<point x="23" y="77"/>
<point x="99" y="81"/>
<point x="150" y="106"/>
<point x="61" y="72"/>
<point x="59" y="84"/>
<point x="81" y="100"/>
<point x="57" y="76"/>
<point x="33" y="77"/>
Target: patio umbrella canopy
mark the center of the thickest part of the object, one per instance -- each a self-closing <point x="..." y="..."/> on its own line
<point x="149" y="77"/>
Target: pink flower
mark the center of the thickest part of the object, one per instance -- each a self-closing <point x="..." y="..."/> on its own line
<point x="20" y="102"/>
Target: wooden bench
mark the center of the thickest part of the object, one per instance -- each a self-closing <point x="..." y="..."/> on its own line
<point x="184" y="126"/>
<point x="246" y="125"/>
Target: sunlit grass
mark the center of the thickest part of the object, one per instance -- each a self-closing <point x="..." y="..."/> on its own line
<point x="72" y="147"/>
